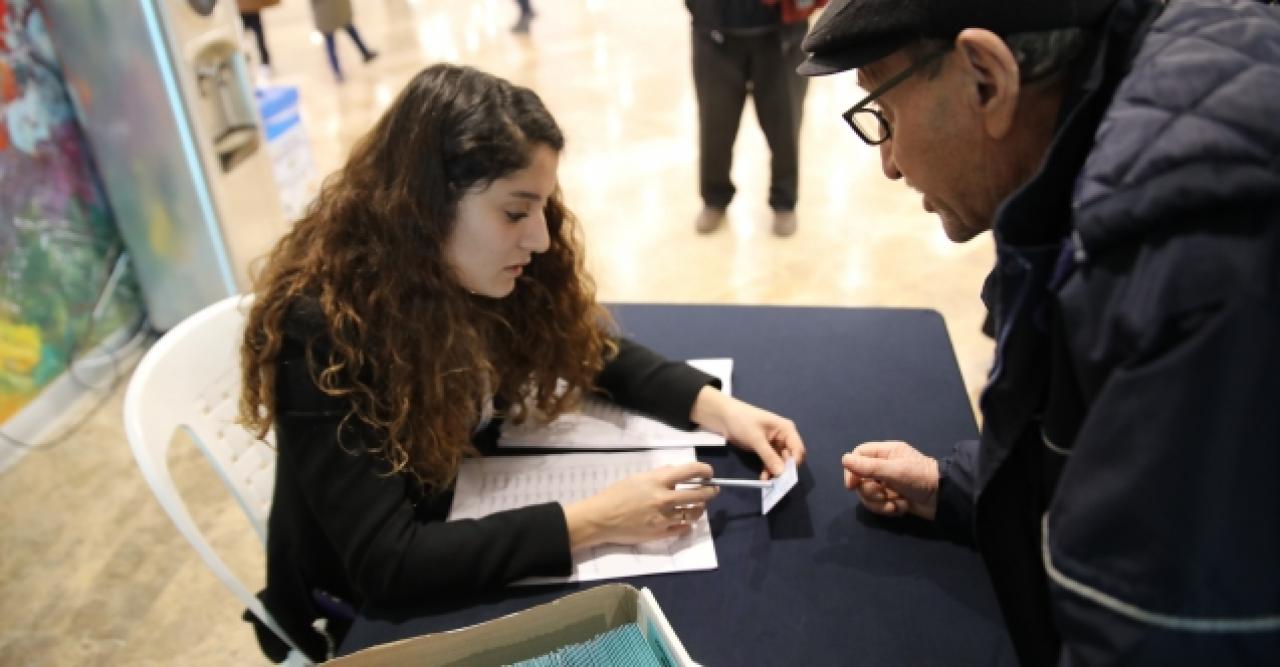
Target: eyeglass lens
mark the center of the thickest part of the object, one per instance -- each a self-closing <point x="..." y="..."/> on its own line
<point x="870" y="125"/>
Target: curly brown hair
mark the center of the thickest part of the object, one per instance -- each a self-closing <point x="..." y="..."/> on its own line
<point x="416" y="354"/>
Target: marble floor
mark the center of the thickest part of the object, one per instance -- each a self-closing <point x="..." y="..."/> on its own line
<point x="91" y="570"/>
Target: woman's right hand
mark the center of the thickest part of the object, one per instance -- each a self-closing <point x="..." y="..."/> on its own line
<point x="640" y="508"/>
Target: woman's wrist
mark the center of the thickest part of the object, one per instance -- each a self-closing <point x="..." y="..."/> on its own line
<point x="584" y="531"/>
<point x="709" y="409"/>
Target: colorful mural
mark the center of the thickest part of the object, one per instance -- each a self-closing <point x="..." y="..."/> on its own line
<point x="58" y="242"/>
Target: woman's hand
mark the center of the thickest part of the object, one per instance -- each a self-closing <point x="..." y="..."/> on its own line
<point x="771" y="437"/>
<point x="643" y="507"/>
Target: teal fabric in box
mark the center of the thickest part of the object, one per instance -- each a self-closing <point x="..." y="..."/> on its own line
<point x="623" y="645"/>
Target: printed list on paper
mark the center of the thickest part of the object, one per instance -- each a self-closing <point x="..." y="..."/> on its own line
<point x="499" y="483"/>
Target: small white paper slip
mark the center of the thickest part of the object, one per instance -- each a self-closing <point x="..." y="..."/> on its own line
<point x="497" y="483"/>
<point x="603" y="426"/>
<point x="720" y="368"/>
<point x="781" y="485"/>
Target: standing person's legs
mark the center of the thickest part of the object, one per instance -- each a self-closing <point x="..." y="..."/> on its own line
<point x="793" y="56"/>
<point x="253" y="23"/>
<point x="719" y="79"/>
<point x="355" y="37"/>
<point x="526" y="15"/>
<point x="778" y="93"/>
<point x="332" y="49"/>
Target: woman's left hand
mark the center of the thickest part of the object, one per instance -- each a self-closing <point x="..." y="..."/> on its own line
<point x="770" y="436"/>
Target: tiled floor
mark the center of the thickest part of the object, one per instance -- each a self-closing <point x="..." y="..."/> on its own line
<point x="92" y="572"/>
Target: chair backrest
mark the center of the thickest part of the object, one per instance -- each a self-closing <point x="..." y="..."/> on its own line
<point x="190" y="380"/>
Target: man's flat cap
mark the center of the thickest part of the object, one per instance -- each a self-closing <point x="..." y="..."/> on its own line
<point x="853" y="33"/>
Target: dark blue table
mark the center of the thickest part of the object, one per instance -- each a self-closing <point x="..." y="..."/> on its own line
<point x="819" y="581"/>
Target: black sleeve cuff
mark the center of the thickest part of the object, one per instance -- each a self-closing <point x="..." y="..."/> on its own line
<point x="954" y="516"/>
<point x="549" y="544"/>
<point x="643" y="380"/>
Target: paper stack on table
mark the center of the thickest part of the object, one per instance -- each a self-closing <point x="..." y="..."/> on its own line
<point x="603" y="426"/>
<point x="497" y="483"/>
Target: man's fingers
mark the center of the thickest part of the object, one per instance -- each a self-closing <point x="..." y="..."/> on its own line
<point x="865" y="466"/>
<point x="878" y="450"/>
<point x="884" y="507"/>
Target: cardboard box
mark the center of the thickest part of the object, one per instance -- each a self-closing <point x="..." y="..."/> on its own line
<point x="536" y="631"/>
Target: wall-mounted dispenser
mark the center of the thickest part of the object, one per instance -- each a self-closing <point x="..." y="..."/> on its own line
<point x="163" y="93"/>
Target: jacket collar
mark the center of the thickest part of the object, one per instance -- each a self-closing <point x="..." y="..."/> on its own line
<point x="1039" y="213"/>
<point x="1192" y="128"/>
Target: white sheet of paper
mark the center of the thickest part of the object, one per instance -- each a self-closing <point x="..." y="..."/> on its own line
<point x="781" y="485"/>
<point x="602" y="425"/>
<point x="499" y="483"/>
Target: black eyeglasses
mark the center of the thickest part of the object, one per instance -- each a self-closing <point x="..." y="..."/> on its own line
<point x="866" y="120"/>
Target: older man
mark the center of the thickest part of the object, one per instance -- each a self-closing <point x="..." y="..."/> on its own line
<point x="1125" y="154"/>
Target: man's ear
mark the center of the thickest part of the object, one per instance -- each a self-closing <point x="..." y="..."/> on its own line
<point x="992" y="79"/>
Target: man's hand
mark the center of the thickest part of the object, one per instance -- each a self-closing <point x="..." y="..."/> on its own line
<point x="893" y="478"/>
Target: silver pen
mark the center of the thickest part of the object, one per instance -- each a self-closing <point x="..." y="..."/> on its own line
<point x="739" y="483"/>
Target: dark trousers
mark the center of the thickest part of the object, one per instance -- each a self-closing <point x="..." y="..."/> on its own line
<point x="727" y="68"/>
<point x="332" y="48"/>
<point x="253" y="23"/>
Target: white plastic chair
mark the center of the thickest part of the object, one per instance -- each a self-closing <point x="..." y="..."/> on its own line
<point x="190" y="379"/>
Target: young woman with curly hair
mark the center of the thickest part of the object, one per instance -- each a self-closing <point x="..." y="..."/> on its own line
<point x="437" y="277"/>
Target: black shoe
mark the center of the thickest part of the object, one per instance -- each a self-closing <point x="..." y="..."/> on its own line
<point x="709" y="219"/>
<point x="784" y="223"/>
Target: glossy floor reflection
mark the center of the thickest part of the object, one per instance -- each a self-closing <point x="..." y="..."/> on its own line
<point x="91" y="571"/>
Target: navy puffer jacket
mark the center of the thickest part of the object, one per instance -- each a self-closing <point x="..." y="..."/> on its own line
<point x="1124" y="493"/>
